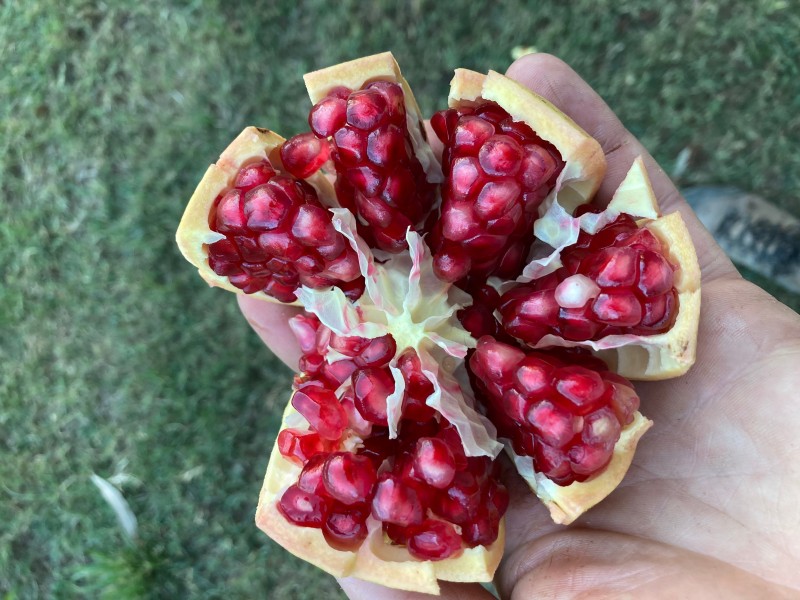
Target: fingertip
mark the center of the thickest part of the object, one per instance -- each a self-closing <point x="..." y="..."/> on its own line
<point x="270" y="320"/>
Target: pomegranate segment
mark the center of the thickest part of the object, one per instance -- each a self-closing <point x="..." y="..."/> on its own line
<point x="567" y="416"/>
<point x="498" y="172"/>
<point x="277" y="234"/>
<point x="378" y="176"/>
<point x="617" y="281"/>
<point x="418" y="485"/>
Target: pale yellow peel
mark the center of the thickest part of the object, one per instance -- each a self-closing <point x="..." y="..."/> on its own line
<point x="567" y="503"/>
<point x="375" y="561"/>
<point x="194" y="234"/>
<point x="582" y="154"/>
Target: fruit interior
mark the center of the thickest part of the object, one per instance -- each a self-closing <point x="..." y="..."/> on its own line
<point x="420" y="487"/>
<point x="562" y="408"/>
<point x="278" y="236"/>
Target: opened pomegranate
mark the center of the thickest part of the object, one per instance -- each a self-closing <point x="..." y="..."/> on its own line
<point x="424" y="286"/>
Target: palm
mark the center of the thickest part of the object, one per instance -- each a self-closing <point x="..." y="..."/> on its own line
<point x="712" y="493"/>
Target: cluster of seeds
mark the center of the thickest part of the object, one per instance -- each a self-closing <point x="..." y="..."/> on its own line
<point x="566" y="416"/>
<point x="379" y="177"/>
<point x="617" y="281"/>
<point x="497" y="171"/>
<point x="278" y="236"/>
<point x="421" y="487"/>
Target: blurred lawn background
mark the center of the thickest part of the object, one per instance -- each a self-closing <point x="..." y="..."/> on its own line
<point x="116" y="359"/>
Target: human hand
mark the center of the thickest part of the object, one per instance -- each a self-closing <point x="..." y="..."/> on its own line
<point x="709" y="507"/>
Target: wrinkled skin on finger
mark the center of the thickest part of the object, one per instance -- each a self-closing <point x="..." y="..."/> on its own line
<point x="709" y="506"/>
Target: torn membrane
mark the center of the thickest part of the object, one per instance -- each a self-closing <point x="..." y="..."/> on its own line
<point x="404" y="298"/>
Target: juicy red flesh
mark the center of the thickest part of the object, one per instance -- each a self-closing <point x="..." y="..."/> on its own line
<point x="567" y="417"/>
<point x="278" y="236"/>
<point x="628" y="282"/>
<point x="378" y="176"/>
<point x="498" y="172"/>
<point x="426" y="484"/>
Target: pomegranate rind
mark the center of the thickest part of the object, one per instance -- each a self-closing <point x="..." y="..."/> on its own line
<point x="654" y="357"/>
<point x="194" y="234"/>
<point x="376" y="560"/>
<point x="354" y="75"/>
<point x="567" y="503"/>
<point x="585" y="164"/>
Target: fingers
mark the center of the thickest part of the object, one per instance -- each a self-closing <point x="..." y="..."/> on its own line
<point x="362" y="590"/>
<point x="270" y="320"/>
<point x="550" y="77"/>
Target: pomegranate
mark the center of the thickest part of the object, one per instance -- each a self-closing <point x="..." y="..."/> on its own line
<point x="449" y="311"/>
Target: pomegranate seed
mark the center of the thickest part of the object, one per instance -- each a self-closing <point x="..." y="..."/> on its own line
<point x="372" y="386"/>
<point x="449" y="435"/>
<point x="304" y="154"/>
<point x="265" y="209"/>
<point x="385" y="145"/>
<point x="322" y="410"/>
<point x="482" y="531"/>
<point x="500" y="155"/>
<point x="434" y="463"/>
<point x="310" y="479"/>
<point x="377" y="352"/>
<point x="496" y="198"/>
<point x="470" y="134"/>
<point x="393" y="93"/>
<point x="537" y="167"/>
<point x="253" y="175"/>
<point x="624" y="402"/>
<point x="621" y="308"/>
<point x="303" y="508"/>
<point x="579" y="385"/>
<point x="460" y="500"/>
<point x="396" y="502"/>
<point x="230" y="217"/>
<point x="434" y="540"/>
<point x="346" y="527"/>
<point x="349" y="478"/>
<point x="586" y="460"/>
<point x="601" y="428"/>
<point x="351" y="146"/>
<point x="378" y="447"/>
<point x="357" y="423"/>
<point x="555" y="426"/>
<point x="327" y="116"/>
<point x="533" y="376"/>
<point x="366" y="109"/>
<point x="298" y="446"/>
<point x="656" y="276"/>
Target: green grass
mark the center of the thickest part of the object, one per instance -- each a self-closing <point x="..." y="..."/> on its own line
<point x="116" y="359"/>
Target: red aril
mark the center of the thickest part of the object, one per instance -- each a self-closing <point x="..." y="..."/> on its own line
<point x="348" y="478"/>
<point x="396" y="502"/>
<point x="303" y="508"/>
<point x="434" y="540"/>
<point x="345" y="528"/>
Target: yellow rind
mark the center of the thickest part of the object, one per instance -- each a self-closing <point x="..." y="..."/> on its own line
<point x="567" y="503"/>
<point x="194" y="234"/>
<point x="375" y="560"/>
<point x="582" y="154"/>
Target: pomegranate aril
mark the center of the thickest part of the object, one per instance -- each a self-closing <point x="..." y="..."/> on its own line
<point x="601" y="428"/>
<point x="264" y="208"/>
<point x="537" y="167"/>
<point x="327" y="116"/>
<point x="304" y="154"/>
<point x="229" y="214"/>
<point x="613" y="267"/>
<point x="298" y="446"/>
<point x="581" y="386"/>
<point x="378" y="446"/>
<point x="351" y="146"/>
<point x="470" y="134"/>
<point x="554" y="464"/>
<point x="321" y="408"/>
<point x="377" y="352"/>
<point x="310" y="479"/>
<point x="516" y="405"/>
<point x="393" y="94"/>
<point x="434" y="463"/>
<point x="622" y="309"/>
<point x="303" y="508"/>
<point x="348" y="477"/>
<point x="452" y="265"/>
<point x="434" y="540"/>
<point x="358" y="424"/>
<point x="345" y="527"/>
<point x="385" y="145"/>
<point x="253" y="175"/>
<point x="624" y="402"/>
<point x="656" y="276"/>
<point x="459" y="502"/>
<point x="366" y="179"/>
<point x="482" y="531"/>
<point x="397" y="533"/>
<point x="500" y="155"/>
<point x="372" y="386"/>
<point x="496" y="198"/>
<point x="366" y="109"/>
<point x="554" y="425"/>
<point x="586" y="460"/>
<point x="533" y="376"/>
<point x="396" y="502"/>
